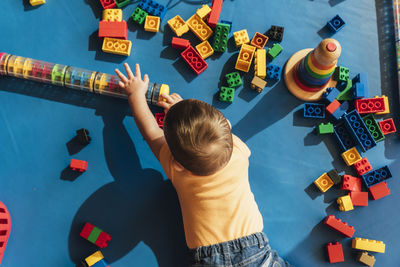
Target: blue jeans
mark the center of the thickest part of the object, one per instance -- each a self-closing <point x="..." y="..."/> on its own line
<point x="248" y="251"/>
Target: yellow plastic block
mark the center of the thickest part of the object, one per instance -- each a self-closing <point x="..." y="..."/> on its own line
<point x="94" y="258"/>
<point x="367" y="244"/>
<point x="260" y="63"/>
<point x="387" y="108"/>
<point x="203" y="11"/>
<point x="324" y="182"/>
<point x="245" y="58"/>
<point x="112" y="14"/>
<point x="205" y="50"/>
<point x="178" y="25"/>
<point x="258" y="84"/>
<point x="199" y="27"/>
<point x="241" y="37"/>
<point x="152" y="23"/>
<point x="27" y="71"/>
<point x="37" y="2"/>
<point x="351" y="156"/>
<point x="117" y="46"/>
<point x="366" y="258"/>
<point x="345" y="203"/>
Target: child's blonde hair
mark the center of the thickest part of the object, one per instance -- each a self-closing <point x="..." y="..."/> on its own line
<point x="199" y="136"/>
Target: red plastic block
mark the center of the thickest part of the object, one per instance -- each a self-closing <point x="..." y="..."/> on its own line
<point x="362" y="166"/>
<point x="379" y="190"/>
<point x="78" y="165"/>
<point x="194" y="60"/>
<point x="335" y="252"/>
<point x="113" y="29"/>
<point x="108" y="4"/>
<point x="87" y="229"/>
<point x="102" y="240"/>
<point x="359" y="198"/>
<point x="160" y="119"/>
<point x="387" y="126"/>
<point x="370" y="105"/>
<point x="180" y="43"/>
<point x="332" y="107"/>
<point x="5" y="228"/>
<point x="340" y="226"/>
<point x="214" y="14"/>
<point x="351" y="183"/>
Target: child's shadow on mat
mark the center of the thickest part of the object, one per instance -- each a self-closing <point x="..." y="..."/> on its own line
<point x="138" y="206"/>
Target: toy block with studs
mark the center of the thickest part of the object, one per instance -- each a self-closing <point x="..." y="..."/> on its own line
<point x="160" y="119"/>
<point x="314" y="110"/>
<point x="213" y="17"/>
<point x="117" y="46"/>
<point x="180" y="43"/>
<point x="387" y="126"/>
<point x="273" y="72"/>
<point x="233" y="79"/>
<point x="367" y="244"/>
<point x="152" y="24"/>
<point x="113" y="29"/>
<point x="370" y="105"/>
<point x="274" y="51"/>
<point x="376" y="176"/>
<point x="362" y="166"/>
<point x="113" y="14"/>
<point x="336" y="23"/>
<point x="178" y="25"/>
<point x="260" y="63"/>
<point x="108" y="4"/>
<point x="275" y="33"/>
<point x="95" y="235"/>
<point x="199" y="27"/>
<point x="122" y="3"/>
<point x="359" y="198"/>
<point x="258" y="84"/>
<point x="379" y="190"/>
<point x="345" y="203"/>
<point x="366" y="259"/>
<point x="241" y="37"/>
<point x="340" y="111"/>
<point x="359" y="130"/>
<point x="259" y="40"/>
<point x="226" y="94"/>
<point x="335" y="177"/>
<point x="203" y="11"/>
<point x="335" y="252"/>
<point x="351" y="156"/>
<point x="83" y="136"/>
<point x="194" y="60"/>
<point x="343" y="136"/>
<point x="351" y="183"/>
<point x="221" y="37"/>
<point x="139" y="15"/>
<point x="153" y="8"/>
<point x="387" y="108"/>
<point x="78" y="165"/>
<point x="227" y="22"/>
<point x="338" y="225"/>
<point x="205" y="49"/>
<point x="245" y="58"/>
<point x="324" y="182"/>
<point x="341" y="74"/>
<point x="373" y="127"/>
<point x="325" y="128"/>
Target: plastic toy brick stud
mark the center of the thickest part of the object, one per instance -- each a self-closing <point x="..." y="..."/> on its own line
<point x="213" y="18"/>
<point x="139" y="15"/>
<point x="199" y="27"/>
<point x="379" y="190"/>
<point x="108" y="4"/>
<point x="275" y="33"/>
<point x="245" y="58"/>
<point x="387" y="108"/>
<point x="345" y="203"/>
<point x="325" y="128"/>
<point x="114" y="29"/>
<point x="366" y="244"/>
<point x="78" y="165"/>
<point x="359" y="130"/>
<point x="258" y="84"/>
<point x="274" y="51"/>
<point x="335" y="177"/>
<point x="260" y="62"/>
<point x="178" y="25"/>
<point x="351" y="183"/>
<point x="370" y="105"/>
<point x="112" y="14"/>
<point x="152" y="24"/>
<point x="160" y="119"/>
<point x="203" y="11"/>
<point x="359" y="198"/>
<point x="83" y="136"/>
<point x="117" y="46"/>
<point x="241" y="37"/>
<point x="226" y="94"/>
<point x="314" y="110"/>
<point x="5" y="228"/>
<point x="194" y="60"/>
<point x="338" y="225"/>
<point x="273" y="72"/>
<point x="341" y="74"/>
<point x="95" y="235"/>
<point x="376" y="176"/>
<point x="351" y="156"/>
<point x="335" y="252"/>
<point x="153" y="8"/>
<point x="366" y="259"/>
<point x="362" y="166"/>
<point x="336" y="24"/>
<point x="205" y="50"/>
<point x="373" y="127"/>
<point x="36" y="2"/>
<point x="259" y="40"/>
<point x="122" y="3"/>
<point x="233" y="79"/>
<point x="94" y="258"/>
<point x="180" y="43"/>
<point x="324" y="182"/>
<point x="221" y="37"/>
<point x="387" y="126"/>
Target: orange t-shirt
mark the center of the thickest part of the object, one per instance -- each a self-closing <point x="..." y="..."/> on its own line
<point x="219" y="207"/>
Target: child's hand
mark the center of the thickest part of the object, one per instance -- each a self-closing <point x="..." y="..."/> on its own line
<point x="171" y="100"/>
<point x="133" y="85"/>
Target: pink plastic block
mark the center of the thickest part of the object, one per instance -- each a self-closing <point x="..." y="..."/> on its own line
<point x="194" y="60"/>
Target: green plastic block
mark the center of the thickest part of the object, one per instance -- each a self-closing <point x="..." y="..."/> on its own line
<point x="139" y="15"/>
<point x="274" y="51"/>
<point x="373" y="127"/>
<point x="94" y="234"/>
<point x="57" y="74"/>
<point x="347" y="93"/>
<point x="221" y="37"/>
<point x="341" y="74"/>
<point x="122" y="3"/>
<point x="226" y="94"/>
<point x="233" y="79"/>
<point x="325" y="128"/>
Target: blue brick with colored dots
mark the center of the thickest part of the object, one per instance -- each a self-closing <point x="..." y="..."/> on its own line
<point x="376" y="176"/>
<point x="313" y="110"/>
<point x="336" y="24"/>
<point x="341" y="111"/>
<point x="359" y="130"/>
<point x="273" y="72"/>
<point x="330" y="94"/>
<point x="153" y="8"/>
<point x="343" y="136"/>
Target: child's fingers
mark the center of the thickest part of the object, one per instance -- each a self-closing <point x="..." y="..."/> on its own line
<point x="121" y="76"/>
<point x="121" y="84"/>
<point x="168" y="98"/>
<point x="146" y="78"/>
<point x="128" y="71"/>
<point x="176" y="97"/>
<point x="137" y="71"/>
<point x="163" y="104"/>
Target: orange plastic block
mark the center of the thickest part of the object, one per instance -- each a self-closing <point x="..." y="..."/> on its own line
<point x="78" y="165"/>
<point x="359" y="198"/>
<point x="178" y="25"/>
<point x="152" y="24"/>
<point x="351" y="156"/>
<point x="324" y="182"/>
<point x="205" y="50"/>
<point x="332" y="107"/>
<point x="241" y="37"/>
<point x="351" y="183"/>
<point x="112" y="14"/>
<point x="37" y="2"/>
<point x="245" y="58"/>
<point x="345" y="203"/>
<point x="114" y="29"/>
<point x="363" y="166"/>
<point x="199" y="27"/>
<point x="259" y="40"/>
<point x="117" y="46"/>
<point x="379" y="190"/>
<point x="366" y="259"/>
<point x="366" y="244"/>
<point x="339" y="226"/>
<point x="203" y="11"/>
<point x="260" y="63"/>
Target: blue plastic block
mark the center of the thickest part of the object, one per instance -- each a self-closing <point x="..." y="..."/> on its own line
<point x="312" y="110"/>
<point x="343" y="137"/>
<point x="341" y="111"/>
<point x="330" y="94"/>
<point x="360" y="85"/>
<point x="336" y="23"/>
<point x="273" y="72"/>
<point x="376" y="176"/>
<point x="227" y="22"/>
<point x="153" y="8"/>
<point x="101" y="263"/>
<point x="359" y="130"/>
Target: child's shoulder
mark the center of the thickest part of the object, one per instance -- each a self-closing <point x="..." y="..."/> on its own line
<point x="239" y="144"/>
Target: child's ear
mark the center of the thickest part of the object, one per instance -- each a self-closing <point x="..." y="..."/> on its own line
<point x="177" y="166"/>
<point x="230" y="125"/>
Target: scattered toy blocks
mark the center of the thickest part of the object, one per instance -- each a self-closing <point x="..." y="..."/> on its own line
<point x="366" y="259"/>
<point x="160" y="119"/>
<point x="36" y="2"/>
<point x="245" y="58"/>
<point x="233" y="79"/>
<point x="205" y="50"/>
<point x="366" y="244"/>
<point x="273" y="72"/>
<point x="194" y="60"/>
<point x="274" y="51"/>
<point x="108" y="4"/>
<point x="114" y="14"/>
<point x="324" y="182"/>
<point x="344" y="137"/>
<point x="258" y="84"/>
<point x="259" y="40"/>
<point x="78" y="165"/>
<point x="139" y="15"/>
<point x="336" y="23"/>
<point x="199" y="27"/>
<point x="362" y="166"/>
<point x="373" y="127"/>
<point x="260" y="62"/>
<point x="275" y="33"/>
<point x="180" y="43"/>
<point x="94" y="258"/>
<point x="178" y="25"/>
<point x="83" y="136"/>
<point x="351" y="183"/>
<point x="359" y="130"/>
<point x="351" y="156"/>
<point x="387" y="108"/>
<point x="379" y="190"/>
<point x="341" y="74"/>
<point x="226" y="94"/>
<point x="345" y="203"/>
<point x="113" y="29"/>
<point x="213" y="18"/>
<point x="95" y="235"/>
<point x="152" y="24"/>
<point x="203" y="11"/>
<point x="122" y="3"/>
<point x="325" y="128"/>
<point x="153" y="8"/>
<point x="314" y="110"/>
<point x="376" y="176"/>
<point x="117" y="46"/>
<point x="359" y="198"/>
<point x="387" y="126"/>
<point x="241" y="37"/>
<point x="221" y="37"/>
<point x="335" y="177"/>
<point x="338" y="225"/>
<point x="370" y="105"/>
<point x="335" y="252"/>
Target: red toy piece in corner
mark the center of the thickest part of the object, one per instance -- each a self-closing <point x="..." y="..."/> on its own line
<point x="340" y="226"/>
<point x="379" y="190"/>
<point x="359" y="198"/>
<point x="335" y="252"/>
<point x="362" y="166"/>
<point x="332" y="107"/>
<point x="108" y="4"/>
<point x="180" y="43"/>
<point x="194" y="60"/>
<point x="387" y="126"/>
<point x="114" y="29"/>
<point x="5" y="228"/>
<point x="351" y="183"/>
<point x="160" y="119"/>
<point x="214" y="14"/>
<point x="78" y="165"/>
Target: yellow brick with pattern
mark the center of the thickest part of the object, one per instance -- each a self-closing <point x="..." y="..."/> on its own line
<point x="260" y="63"/>
<point x="324" y="182"/>
<point x="351" y="156"/>
<point x="205" y="50"/>
<point x="367" y="244"/>
<point x="199" y="27"/>
<point x="178" y="25"/>
<point x="94" y="258"/>
<point x="241" y="37"/>
<point x="112" y="14"/>
<point x="203" y="11"/>
<point x="152" y="23"/>
<point x="345" y="203"/>
<point x="37" y="2"/>
<point x="387" y="108"/>
<point x="245" y="58"/>
<point x="117" y="46"/>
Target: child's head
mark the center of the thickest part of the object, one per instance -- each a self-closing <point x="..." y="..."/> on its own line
<point x="199" y="136"/>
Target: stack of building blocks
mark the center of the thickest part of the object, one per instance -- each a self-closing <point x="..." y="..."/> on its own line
<point x="178" y="25"/>
<point x="258" y="84"/>
<point x="367" y="244"/>
<point x="359" y="131"/>
<point x="339" y="226"/>
<point x="335" y="252"/>
<point x="341" y="74"/>
<point x="241" y="37"/>
<point x="180" y="43"/>
<point x="108" y="4"/>
<point x="37" y="2"/>
<point x="160" y="119"/>
<point x="260" y="63"/>
<point x="117" y="46"/>
<point x="139" y="15"/>
<point x="379" y="190"/>
<point x="370" y="105"/>
<point x="205" y="49"/>
<point x="153" y="8"/>
<point x="314" y="110"/>
<point x="274" y="51"/>
<point x="351" y="156"/>
<point x="226" y="94"/>
<point x="233" y="79"/>
<point x="152" y="23"/>
<point x="336" y="23"/>
<point x="203" y="11"/>
<point x="213" y="17"/>
<point x="245" y="58"/>
<point x="199" y="27"/>
<point x="366" y="259"/>
<point x="345" y="203"/>
<point x="324" y="182"/>
<point x="273" y="72"/>
<point x="275" y="33"/>
<point x="387" y="126"/>
<point x="78" y="165"/>
<point x="359" y="198"/>
<point x="376" y="176"/>
<point x="194" y="60"/>
<point x="221" y="37"/>
<point x="351" y="183"/>
<point x="83" y="136"/>
<point x="325" y="128"/>
<point x="95" y="235"/>
<point x="259" y="40"/>
<point x="373" y="127"/>
<point x="362" y="166"/>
